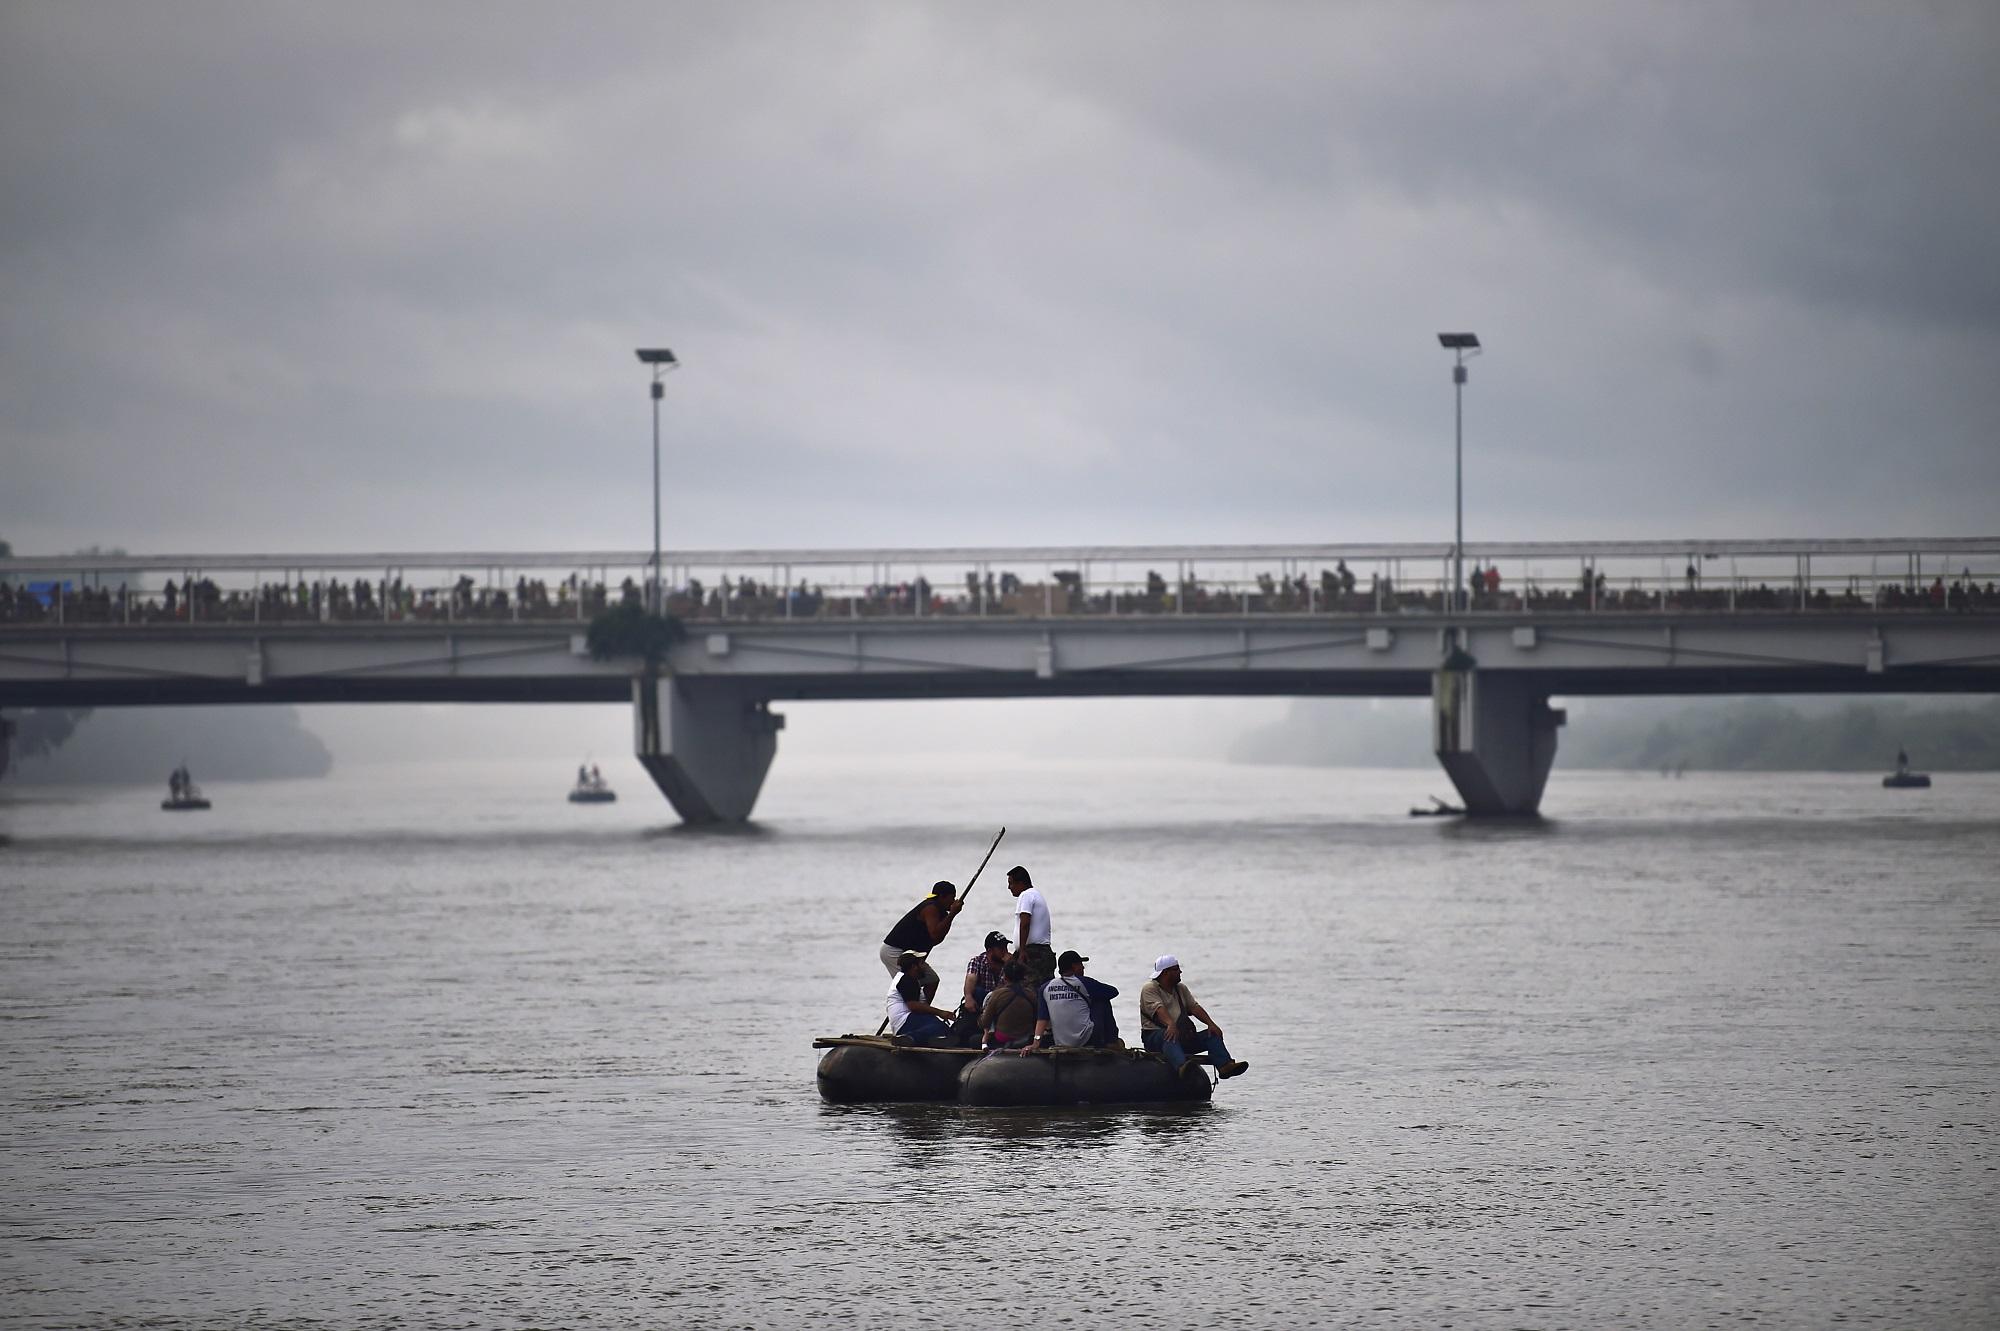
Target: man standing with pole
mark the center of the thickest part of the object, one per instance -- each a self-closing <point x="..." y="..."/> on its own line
<point x="925" y="925"/>
<point x="922" y="928"/>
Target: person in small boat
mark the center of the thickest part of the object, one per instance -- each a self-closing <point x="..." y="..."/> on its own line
<point x="1070" y="1007"/>
<point x="910" y="1012"/>
<point x="1033" y="921"/>
<point x="174" y="786"/>
<point x="984" y="973"/>
<point x="582" y="776"/>
<point x="1008" y="1015"/>
<point x="921" y="929"/>
<point x="1165" y="1011"/>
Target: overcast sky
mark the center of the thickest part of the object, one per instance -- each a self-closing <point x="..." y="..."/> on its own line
<point x="349" y="277"/>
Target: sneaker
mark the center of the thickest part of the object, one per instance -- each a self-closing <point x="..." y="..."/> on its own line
<point x="1233" y="1069"/>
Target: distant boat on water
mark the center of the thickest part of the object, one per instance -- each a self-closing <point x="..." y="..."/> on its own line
<point x="1903" y="778"/>
<point x="183" y="794"/>
<point x="590" y="787"/>
<point x="1438" y="809"/>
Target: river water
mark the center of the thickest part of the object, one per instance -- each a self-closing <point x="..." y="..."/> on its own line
<point x="426" y="1046"/>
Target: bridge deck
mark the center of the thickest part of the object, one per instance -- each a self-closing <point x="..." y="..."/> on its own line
<point x="1955" y="575"/>
<point x="1583" y="617"/>
<point x="1162" y="655"/>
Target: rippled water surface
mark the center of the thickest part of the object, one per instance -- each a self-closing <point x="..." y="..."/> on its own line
<point x="428" y="1047"/>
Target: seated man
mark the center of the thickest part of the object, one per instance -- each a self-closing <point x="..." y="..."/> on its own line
<point x="1008" y="1015"/>
<point x="910" y="1014"/>
<point x="1165" y="1011"/>
<point x="1070" y="1004"/>
<point x="1103" y="1025"/>
<point x="984" y="973"/>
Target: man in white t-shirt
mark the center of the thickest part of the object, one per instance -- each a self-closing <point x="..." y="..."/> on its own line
<point x="1034" y="951"/>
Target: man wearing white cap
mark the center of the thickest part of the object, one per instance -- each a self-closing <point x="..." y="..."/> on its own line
<point x="1165" y="1006"/>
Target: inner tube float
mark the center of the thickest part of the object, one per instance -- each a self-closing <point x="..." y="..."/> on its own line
<point x="1080" y="1077"/>
<point x="867" y="1069"/>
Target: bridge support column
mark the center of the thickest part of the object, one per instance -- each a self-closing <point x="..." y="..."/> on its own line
<point x="1495" y="734"/>
<point x="706" y="744"/>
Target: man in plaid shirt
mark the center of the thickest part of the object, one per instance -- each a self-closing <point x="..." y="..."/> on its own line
<point x="984" y="973"/>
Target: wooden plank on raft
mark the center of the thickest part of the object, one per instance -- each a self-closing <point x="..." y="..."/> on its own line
<point x="869" y="1042"/>
<point x="1056" y="1051"/>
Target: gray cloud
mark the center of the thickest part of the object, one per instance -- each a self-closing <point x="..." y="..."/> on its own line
<point x="302" y="276"/>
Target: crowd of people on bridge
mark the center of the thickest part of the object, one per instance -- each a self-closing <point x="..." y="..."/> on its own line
<point x="1019" y="994"/>
<point x="1337" y="590"/>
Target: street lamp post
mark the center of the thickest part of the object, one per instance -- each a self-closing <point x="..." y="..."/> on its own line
<point x="1464" y="346"/>
<point x="661" y="360"/>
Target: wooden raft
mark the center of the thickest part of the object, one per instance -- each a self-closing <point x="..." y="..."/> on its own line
<point x="883" y="1042"/>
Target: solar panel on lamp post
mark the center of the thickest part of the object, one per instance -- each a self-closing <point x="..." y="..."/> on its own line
<point x="661" y="360"/>
<point x="1464" y="346"/>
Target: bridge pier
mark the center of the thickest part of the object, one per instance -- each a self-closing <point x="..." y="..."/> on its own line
<point x="1495" y="735"/>
<point x="707" y="745"/>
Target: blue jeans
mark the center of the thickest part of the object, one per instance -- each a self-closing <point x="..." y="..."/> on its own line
<point x="1171" y="1050"/>
<point x="922" y="1026"/>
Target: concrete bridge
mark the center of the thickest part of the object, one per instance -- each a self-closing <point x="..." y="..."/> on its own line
<point x="1542" y="621"/>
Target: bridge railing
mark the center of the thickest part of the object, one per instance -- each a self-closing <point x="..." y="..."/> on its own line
<point x="1351" y="581"/>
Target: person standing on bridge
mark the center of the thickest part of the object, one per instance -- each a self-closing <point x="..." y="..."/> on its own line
<point x="1032" y="919"/>
<point x="922" y="928"/>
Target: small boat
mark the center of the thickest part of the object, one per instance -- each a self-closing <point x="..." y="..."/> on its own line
<point x="1056" y="1077"/>
<point x="189" y="797"/>
<point x="869" y="1069"/>
<point x="1903" y="778"/>
<point x="182" y="793"/>
<point x="878" y="1069"/>
<point x="1438" y="809"/>
<point x="590" y="788"/>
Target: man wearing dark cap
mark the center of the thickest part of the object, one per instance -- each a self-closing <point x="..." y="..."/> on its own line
<point x="1071" y="1005"/>
<point x="922" y="928"/>
<point x="983" y="974"/>
<point x="1034" y="951"/>
<point x="909" y="1011"/>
